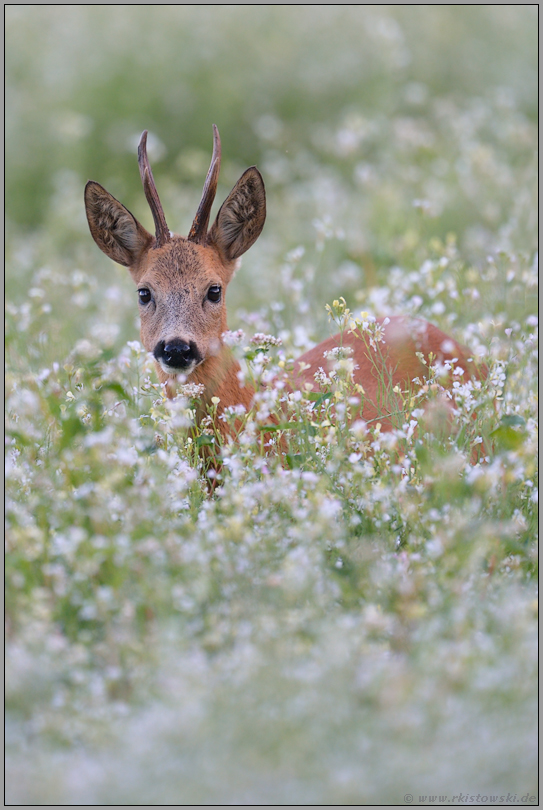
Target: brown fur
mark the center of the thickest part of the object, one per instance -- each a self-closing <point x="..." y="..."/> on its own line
<point x="390" y="364"/>
<point x="180" y="272"/>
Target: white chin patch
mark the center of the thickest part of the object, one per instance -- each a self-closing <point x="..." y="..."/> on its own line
<point x="175" y="372"/>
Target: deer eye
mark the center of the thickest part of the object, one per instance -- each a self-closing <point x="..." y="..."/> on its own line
<point x="144" y="295"/>
<point x="214" y="293"/>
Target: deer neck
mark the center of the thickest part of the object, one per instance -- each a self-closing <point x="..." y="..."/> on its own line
<point x="220" y="376"/>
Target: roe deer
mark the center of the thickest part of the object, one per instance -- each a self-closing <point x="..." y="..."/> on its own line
<point x="181" y="284"/>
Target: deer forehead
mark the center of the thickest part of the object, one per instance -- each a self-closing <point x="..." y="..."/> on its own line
<point x="181" y="265"/>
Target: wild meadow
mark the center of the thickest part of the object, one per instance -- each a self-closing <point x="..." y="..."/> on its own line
<point x="348" y="616"/>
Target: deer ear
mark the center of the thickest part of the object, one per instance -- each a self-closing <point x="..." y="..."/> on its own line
<point x="241" y="217"/>
<point x="114" y="229"/>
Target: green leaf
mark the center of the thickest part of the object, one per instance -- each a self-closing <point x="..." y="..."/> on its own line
<point x="205" y="440"/>
<point x="507" y="437"/>
<point x="280" y="426"/>
<point x="294" y="460"/>
<point x="71" y="427"/>
<point x="317" y="397"/>
<point x="511" y="420"/>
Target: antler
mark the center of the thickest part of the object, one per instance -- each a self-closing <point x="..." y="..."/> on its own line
<point x="201" y="220"/>
<point x="161" y="228"/>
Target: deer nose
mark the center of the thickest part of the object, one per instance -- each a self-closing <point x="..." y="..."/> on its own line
<point x="176" y="353"/>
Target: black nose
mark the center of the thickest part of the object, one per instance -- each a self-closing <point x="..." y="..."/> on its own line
<point x="177" y="353"/>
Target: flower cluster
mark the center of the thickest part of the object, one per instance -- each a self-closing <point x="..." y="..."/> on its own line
<point x="346" y="602"/>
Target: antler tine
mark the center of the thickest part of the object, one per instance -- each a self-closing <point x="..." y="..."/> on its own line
<point x="161" y="229"/>
<point x="201" y="220"/>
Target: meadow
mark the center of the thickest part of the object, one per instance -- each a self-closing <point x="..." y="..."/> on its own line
<point x="349" y="617"/>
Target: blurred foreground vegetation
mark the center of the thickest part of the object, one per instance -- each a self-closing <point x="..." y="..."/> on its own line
<point x="358" y="622"/>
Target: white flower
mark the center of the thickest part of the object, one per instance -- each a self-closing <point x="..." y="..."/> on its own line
<point x="260" y="339"/>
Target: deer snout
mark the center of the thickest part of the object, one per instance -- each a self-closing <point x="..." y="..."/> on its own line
<point x="177" y="355"/>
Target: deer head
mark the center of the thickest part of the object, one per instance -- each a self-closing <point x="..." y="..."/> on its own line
<point x="181" y="282"/>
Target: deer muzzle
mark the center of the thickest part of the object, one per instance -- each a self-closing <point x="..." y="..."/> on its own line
<point x="177" y="356"/>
